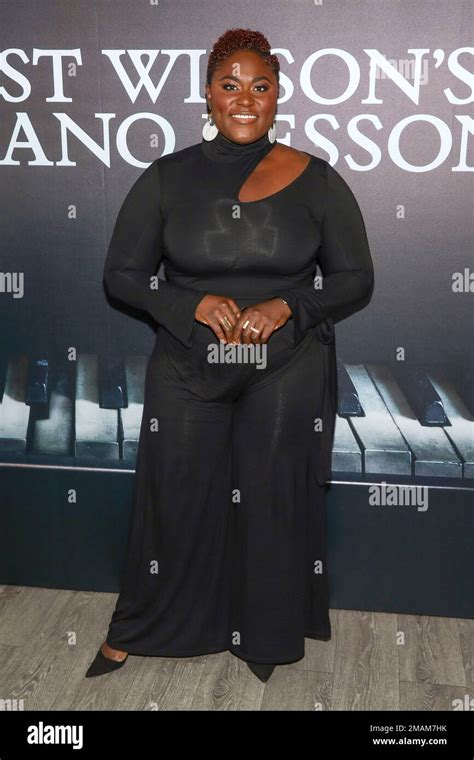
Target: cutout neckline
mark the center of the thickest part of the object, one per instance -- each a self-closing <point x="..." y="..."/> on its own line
<point x="277" y="192"/>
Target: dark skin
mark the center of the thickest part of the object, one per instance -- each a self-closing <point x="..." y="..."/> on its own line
<point x="249" y="87"/>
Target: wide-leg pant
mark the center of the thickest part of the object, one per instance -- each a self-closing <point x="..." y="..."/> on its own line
<point x="227" y="541"/>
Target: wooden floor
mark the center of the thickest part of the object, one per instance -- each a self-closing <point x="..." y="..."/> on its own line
<point x="374" y="661"/>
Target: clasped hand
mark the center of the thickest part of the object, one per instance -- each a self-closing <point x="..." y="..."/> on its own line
<point x="254" y="324"/>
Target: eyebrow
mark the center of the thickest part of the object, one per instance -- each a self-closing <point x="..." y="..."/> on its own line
<point x="237" y="79"/>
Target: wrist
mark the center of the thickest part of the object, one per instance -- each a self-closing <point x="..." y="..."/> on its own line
<point x="286" y="304"/>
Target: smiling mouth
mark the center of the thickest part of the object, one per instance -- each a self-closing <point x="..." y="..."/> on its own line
<point x="244" y="117"/>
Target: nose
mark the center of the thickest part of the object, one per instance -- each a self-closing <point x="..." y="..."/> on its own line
<point x="245" y="98"/>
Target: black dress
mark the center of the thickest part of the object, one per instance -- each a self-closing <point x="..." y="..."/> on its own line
<point x="227" y="542"/>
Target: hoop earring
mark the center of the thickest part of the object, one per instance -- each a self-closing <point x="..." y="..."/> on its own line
<point x="272" y="133"/>
<point x="209" y="130"/>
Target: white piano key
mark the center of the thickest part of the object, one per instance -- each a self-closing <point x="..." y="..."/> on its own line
<point x="461" y="430"/>
<point x="14" y="413"/>
<point x="135" y="370"/>
<point x="346" y="453"/>
<point x="52" y="434"/>
<point x="384" y="449"/>
<point x="434" y="455"/>
<point x="96" y="432"/>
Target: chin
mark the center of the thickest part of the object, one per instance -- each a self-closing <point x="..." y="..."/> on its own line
<point x="243" y="132"/>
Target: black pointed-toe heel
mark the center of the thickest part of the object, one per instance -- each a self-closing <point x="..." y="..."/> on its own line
<point x="262" y="670"/>
<point x="103" y="664"/>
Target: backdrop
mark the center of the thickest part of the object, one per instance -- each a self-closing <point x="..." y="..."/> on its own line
<point x="92" y="92"/>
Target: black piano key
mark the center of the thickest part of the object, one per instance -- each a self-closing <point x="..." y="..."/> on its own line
<point x="463" y="379"/>
<point x="421" y="395"/>
<point x="348" y="399"/>
<point x="112" y="382"/>
<point x="37" y="384"/>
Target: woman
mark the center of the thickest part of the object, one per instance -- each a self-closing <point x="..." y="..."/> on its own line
<point x="227" y="547"/>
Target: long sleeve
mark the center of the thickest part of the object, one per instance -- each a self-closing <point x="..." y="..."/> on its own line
<point x="134" y="257"/>
<point x="345" y="262"/>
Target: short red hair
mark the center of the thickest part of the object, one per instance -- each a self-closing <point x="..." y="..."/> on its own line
<point x="241" y="39"/>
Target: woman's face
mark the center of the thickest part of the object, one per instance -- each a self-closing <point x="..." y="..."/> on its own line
<point x="243" y="84"/>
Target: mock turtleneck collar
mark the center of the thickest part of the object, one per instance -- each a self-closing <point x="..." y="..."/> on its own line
<point x="223" y="149"/>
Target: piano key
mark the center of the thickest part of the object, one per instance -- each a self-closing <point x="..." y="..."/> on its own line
<point x="96" y="429"/>
<point x="421" y="394"/>
<point x="112" y="384"/>
<point x="135" y="370"/>
<point x="3" y="374"/>
<point x="37" y="390"/>
<point x="384" y="450"/>
<point x="53" y="429"/>
<point x="346" y="453"/>
<point x="348" y="400"/>
<point x="460" y="431"/>
<point x="463" y="379"/>
<point x="432" y="451"/>
<point x="14" y="413"/>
